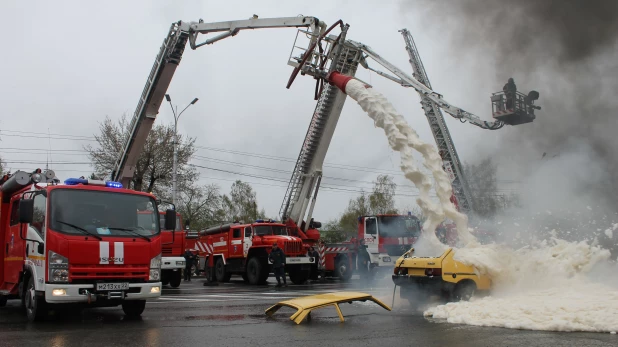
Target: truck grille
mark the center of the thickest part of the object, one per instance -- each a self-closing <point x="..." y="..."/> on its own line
<point x="166" y="251"/>
<point x="78" y="273"/>
<point x="294" y="247"/>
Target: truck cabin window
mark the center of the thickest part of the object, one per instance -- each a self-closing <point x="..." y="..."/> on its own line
<point x="103" y="213"/>
<point x="399" y="226"/>
<point x="370" y="226"/>
<point x="270" y="230"/>
<point x="40" y="212"/>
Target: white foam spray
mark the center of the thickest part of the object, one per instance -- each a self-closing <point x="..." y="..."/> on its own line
<point x="405" y="140"/>
<point x="549" y="286"/>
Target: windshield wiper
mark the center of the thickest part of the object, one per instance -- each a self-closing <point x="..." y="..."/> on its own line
<point x="80" y="229"/>
<point x="132" y="231"/>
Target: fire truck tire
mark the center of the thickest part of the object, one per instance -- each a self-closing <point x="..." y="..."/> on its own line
<point x="298" y="276"/>
<point x="342" y="269"/>
<point x="133" y="308"/>
<point x="36" y="307"/>
<point x="175" y="279"/>
<point x="3" y="300"/>
<point x="220" y="273"/>
<point x="256" y="274"/>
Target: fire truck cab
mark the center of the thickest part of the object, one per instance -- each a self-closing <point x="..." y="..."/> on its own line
<point x="387" y="237"/>
<point x="77" y="243"/>
<point x="173" y="247"/>
<point x="243" y="249"/>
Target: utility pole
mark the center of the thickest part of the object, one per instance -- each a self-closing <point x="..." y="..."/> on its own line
<point x="175" y="143"/>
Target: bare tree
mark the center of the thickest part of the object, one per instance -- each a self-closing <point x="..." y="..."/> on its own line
<point x="199" y="205"/>
<point x="153" y="171"/>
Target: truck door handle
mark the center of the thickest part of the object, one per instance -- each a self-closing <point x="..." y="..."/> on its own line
<point x="7" y="249"/>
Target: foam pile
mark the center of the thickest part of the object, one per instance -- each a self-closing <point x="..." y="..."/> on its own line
<point x="553" y="285"/>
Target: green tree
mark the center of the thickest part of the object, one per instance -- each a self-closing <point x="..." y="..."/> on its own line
<point x="241" y="204"/>
<point x="153" y="172"/>
<point x="331" y="232"/>
<point x="382" y="199"/>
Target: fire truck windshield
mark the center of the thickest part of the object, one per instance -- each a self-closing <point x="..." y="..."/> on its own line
<point x="101" y="213"/>
<point x="399" y="226"/>
<point x="269" y="230"/>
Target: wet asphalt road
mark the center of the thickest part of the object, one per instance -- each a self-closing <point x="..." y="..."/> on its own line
<point x="233" y="315"/>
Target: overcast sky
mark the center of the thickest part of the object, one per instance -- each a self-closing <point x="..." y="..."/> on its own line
<point x="68" y="64"/>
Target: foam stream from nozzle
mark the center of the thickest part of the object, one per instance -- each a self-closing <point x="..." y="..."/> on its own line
<point x="405" y="140"/>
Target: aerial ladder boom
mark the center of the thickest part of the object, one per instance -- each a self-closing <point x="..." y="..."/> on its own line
<point x="409" y="81"/>
<point x="165" y="65"/>
<point x="519" y="109"/>
<point x="301" y="194"/>
<point x="440" y="131"/>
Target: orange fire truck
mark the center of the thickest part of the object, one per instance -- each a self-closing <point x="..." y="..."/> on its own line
<point x="243" y="248"/>
<point x="80" y="242"/>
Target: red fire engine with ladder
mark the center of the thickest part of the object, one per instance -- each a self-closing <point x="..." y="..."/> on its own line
<point x="80" y="242"/>
<point x="343" y="57"/>
<point x="243" y="249"/>
<point x="156" y="86"/>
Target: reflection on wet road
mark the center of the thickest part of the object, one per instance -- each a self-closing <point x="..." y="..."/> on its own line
<point x="232" y="314"/>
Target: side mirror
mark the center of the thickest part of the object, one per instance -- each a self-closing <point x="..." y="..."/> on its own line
<point x="26" y="210"/>
<point x="41" y="248"/>
<point x="170" y="220"/>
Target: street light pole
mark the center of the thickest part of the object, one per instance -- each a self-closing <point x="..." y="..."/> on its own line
<point x="175" y="143"/>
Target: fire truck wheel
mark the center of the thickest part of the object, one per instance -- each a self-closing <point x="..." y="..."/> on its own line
<point x="3" y="300"/>
<point x="343" y="270"/>
<point x="255" y="271"/>
<point x="36" y="307"/>
<point x="298" y="276"/>
<point x="175" y="279"/>
<point x="133" y="308"/>
<point x="220" y="273"/>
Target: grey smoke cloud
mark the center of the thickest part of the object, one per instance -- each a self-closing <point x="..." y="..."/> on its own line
<point x="566" y="50"/>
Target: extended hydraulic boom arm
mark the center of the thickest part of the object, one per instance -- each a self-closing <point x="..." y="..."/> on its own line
<point x="163" y="70"/>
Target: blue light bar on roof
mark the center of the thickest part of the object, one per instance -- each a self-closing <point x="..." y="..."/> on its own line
<point x="111" y="184"/>
<point x="76" y="181"/>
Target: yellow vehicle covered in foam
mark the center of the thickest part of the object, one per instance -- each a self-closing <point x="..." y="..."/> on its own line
<point x="444" y="276"/>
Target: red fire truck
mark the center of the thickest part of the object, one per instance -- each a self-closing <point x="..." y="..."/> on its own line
<point x="243" y="248"/>
<point x="80" y="242"/>
<point x="173" y="247"/>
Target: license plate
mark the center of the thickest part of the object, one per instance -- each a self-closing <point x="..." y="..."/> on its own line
<point x="293" y="260"/>
<point x="386" y="259"/>
<point x="112" y="286"/>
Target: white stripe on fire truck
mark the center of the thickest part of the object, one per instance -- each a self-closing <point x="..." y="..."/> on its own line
<point x="103" y="252"/>
<point x="219" y="244"/>
<point x="118" y="252"/>
<point x="236" y="242"/>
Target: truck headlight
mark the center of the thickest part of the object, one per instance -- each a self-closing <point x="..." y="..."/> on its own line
<point x="155" y="268"/>
<point x="58" y="269"/>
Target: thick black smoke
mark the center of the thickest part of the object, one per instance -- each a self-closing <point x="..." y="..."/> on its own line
<point x="566" y="50"/>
